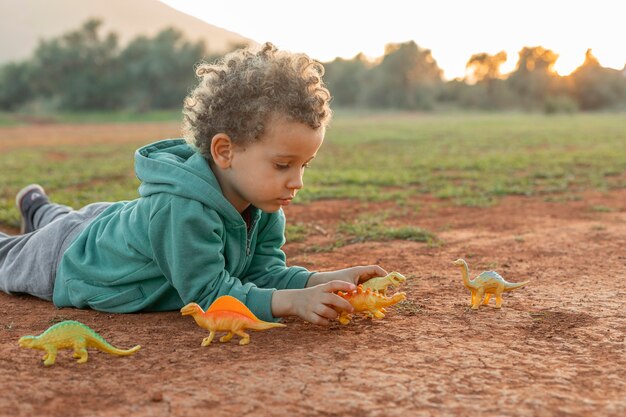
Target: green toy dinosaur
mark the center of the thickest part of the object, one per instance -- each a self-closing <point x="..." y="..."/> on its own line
<point x="71" y="334"/>
<point x="486" y="284"/>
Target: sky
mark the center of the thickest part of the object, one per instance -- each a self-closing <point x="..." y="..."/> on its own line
<point x="453" y="30"/>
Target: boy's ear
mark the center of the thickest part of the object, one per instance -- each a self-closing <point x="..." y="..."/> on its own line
<point x="222" y="150"/>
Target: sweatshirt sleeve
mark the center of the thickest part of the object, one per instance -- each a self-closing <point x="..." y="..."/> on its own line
<point x="188" y="244"/>
<point x="268" y="268"/>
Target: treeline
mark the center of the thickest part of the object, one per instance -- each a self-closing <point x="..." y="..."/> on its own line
<point x="408" y="77"/>
<point x="83" y="70"/>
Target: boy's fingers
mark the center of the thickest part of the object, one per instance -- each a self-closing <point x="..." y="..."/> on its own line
<point x="376" y="271"/>
<point x="316" y="319"/>
<point x="380" y="271"/>
<point x="372" y="271"/>
<point x="333" y="286"/>
<point x="326" y="312"/>
<point x="335" y="301"/>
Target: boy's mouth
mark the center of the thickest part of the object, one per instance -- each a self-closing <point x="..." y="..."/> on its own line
<point x="285" y="201"/>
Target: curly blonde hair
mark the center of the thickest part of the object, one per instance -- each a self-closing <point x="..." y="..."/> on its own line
<point x="239" y="93"/>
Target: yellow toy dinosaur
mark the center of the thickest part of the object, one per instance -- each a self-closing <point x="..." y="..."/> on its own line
<point x="71" y="334"/>
<point x="486" y="284"/>
<point x="371" y="303"/>
<point x="226" y="314"/>
<point x="380" y="284"/>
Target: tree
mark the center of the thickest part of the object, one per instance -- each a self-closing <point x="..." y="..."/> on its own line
<point x="406" y="78"/>
<point x="80" y="69"/>
<point x="158" y="72"/>
<point x="534" y="78"/>
<point x="344" y="79"/>
<point x="596" y="87"/>
<point x="484" y="69"/>
<point x="15" y="85"/>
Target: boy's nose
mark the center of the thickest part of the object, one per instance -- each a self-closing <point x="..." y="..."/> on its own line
<point x="295" y="183"/>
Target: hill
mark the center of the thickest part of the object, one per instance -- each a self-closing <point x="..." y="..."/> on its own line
<point x="24" y="22"/>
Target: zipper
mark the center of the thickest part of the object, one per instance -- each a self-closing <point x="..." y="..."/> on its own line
<point x="249" y="234"/>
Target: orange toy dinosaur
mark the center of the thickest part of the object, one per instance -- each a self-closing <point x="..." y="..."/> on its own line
<point x="371" y="303"/>
<point x="226" y="314"/>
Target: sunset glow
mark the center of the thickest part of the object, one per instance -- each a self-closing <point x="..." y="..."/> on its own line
<point x="452" y="30"/>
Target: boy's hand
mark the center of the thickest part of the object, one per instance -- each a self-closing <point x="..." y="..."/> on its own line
<point x="316" y="305"/>
<point x="354" y="275"/>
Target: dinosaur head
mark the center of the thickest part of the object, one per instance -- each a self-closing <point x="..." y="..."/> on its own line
<point x="27" y="341"/>
<point x="460" y="262"/>
<point x="396" y="278"/>
<point x="397" y="297"/>
<point x="190" y="309"/>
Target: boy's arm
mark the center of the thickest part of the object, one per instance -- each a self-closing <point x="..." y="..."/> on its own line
<point x="268" y="268"/>
<point x="187" y="241"/>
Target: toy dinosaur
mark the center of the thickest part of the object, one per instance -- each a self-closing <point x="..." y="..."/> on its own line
<point x="371" y="303"/>
<point x="486" y="284"/>
<point x="226" y="314"/>
<point x="71" y="334"/>
<point x="380" y="284"/>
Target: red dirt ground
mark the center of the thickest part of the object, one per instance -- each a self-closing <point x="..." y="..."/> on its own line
<point x="556" y="348"/>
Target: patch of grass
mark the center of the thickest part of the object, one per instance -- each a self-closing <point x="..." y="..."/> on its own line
<point x="471" y="159"/>
<point x="562" y="198"/>
<point x="602" y="209"/>
<point x="373" y="227"/>
<point x="467" y="159"/>
<point x="120" y="116"/>
<point x="409" y="308"/>
<point x="8" y="119"/>
<point x="296" y="232"/>
<point x="361" y="232"/>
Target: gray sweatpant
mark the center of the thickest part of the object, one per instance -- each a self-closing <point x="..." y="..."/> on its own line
<point x="28" y="263"/>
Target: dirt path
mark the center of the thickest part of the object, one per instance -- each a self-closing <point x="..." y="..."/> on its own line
<point x="556" y="348"/>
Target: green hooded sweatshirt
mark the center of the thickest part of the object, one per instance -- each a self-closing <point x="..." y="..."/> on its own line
<point x="180" y="242"/>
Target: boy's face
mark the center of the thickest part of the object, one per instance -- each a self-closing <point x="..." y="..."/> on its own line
<point x="268" y="173"/>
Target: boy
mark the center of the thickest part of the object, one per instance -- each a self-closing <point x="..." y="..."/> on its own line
<point x="208" y="221"/>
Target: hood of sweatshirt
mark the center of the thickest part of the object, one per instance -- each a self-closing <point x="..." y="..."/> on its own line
<point x="173" y="167"/>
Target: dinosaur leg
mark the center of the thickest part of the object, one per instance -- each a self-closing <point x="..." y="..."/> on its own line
<point x="227" y="337"/>
<point x="207" y="340"/>
<point x="473" y="299"/>
<point x="245" y="337"/>
<point x="477" y="297"/>
<point x="81" y="354"/>
<point x="379" y="314"/>
<point x="51" y="356"/>
<point x="344" y="318"/>
<point x="80" y="351"/>
<point x="486" y="300"/>
<point x="499" y="297"/>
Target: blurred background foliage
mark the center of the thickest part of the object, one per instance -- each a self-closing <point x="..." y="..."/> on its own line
<point x="84" y="70"/>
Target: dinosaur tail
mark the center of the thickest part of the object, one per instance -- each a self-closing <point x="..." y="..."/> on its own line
<point x="511" y="286"/>
<point x="104" y="346"/>
<point x="264" y="325"/>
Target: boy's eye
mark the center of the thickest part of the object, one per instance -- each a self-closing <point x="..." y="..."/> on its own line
<point x="287" y="166"/>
